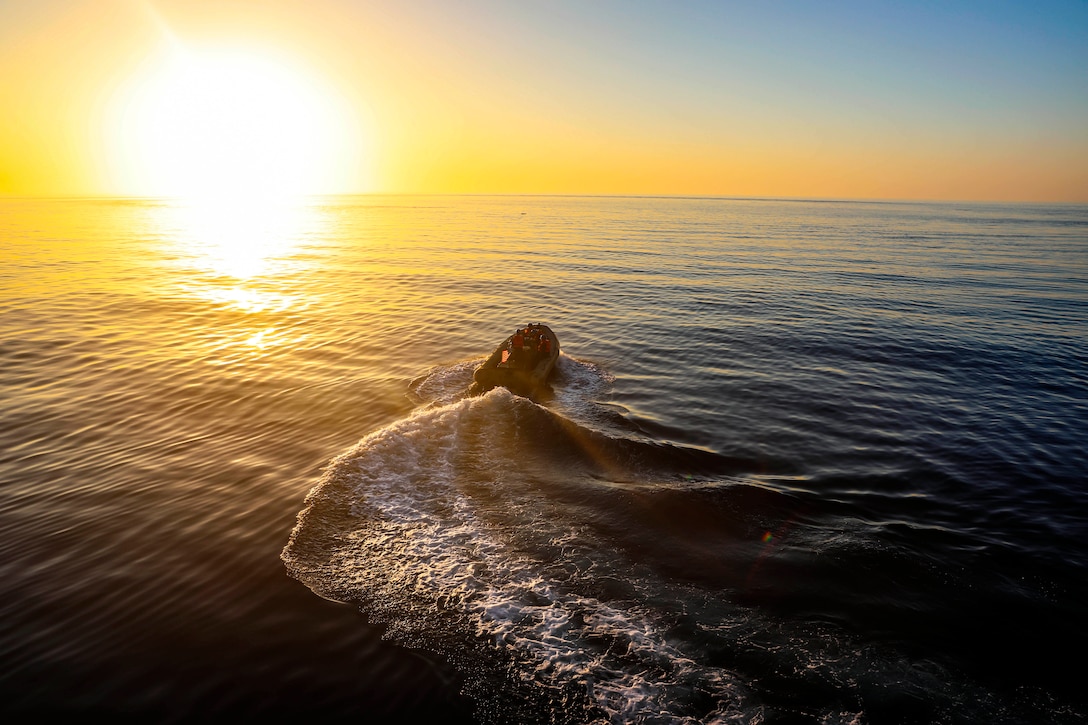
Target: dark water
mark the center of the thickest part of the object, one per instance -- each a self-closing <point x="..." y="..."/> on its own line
<point x="801" y="462"/>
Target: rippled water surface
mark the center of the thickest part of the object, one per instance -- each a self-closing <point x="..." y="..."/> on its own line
<point x="800" y="461"/>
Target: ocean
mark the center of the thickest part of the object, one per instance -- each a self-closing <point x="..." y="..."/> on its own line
<point x="800" y="461"/>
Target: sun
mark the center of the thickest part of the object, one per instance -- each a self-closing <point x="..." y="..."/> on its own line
<point x="232" y="123"/>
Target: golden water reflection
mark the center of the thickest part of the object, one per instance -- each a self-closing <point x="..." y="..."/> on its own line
<point x="242" y="256"/>
<point x="240" y="238"/>
<point x="246" y="298"/>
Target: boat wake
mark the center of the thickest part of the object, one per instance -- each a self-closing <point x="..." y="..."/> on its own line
<point x="472" y="527"/>
<point x="574" y="571"/>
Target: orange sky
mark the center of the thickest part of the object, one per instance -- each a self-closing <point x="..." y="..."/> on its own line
<point x="863" y="100"/>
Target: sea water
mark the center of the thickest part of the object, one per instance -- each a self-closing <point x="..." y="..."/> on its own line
<point x="800" y="461"/>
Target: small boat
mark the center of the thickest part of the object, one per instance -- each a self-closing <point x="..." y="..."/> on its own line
<point x="522" y="364"/>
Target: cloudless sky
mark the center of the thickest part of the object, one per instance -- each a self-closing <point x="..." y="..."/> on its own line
<point x="930" y="100"/>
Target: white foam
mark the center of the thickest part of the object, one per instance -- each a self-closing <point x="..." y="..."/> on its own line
<point x="425" y="533"/>
<point x="444" y="384"/>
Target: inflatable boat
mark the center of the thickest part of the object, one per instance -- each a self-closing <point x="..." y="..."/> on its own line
<point x="523" y="363"/>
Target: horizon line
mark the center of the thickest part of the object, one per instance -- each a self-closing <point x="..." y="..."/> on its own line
<point x="568" y="195"/>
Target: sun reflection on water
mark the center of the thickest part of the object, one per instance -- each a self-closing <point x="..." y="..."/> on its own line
<point x="240" y="238"/>
<point x="244" y="258"/>
<point x="248" y="299"/>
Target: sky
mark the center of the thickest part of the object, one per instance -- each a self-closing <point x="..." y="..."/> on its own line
<point x="893" y="100"/>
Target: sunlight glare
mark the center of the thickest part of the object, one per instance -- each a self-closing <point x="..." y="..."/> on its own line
<point x="235" y="254"/>
<point x="232" y="124"/>
<point x="240" y="239"/>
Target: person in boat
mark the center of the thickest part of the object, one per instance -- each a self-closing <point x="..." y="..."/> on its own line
<point x="517" y="344"/>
